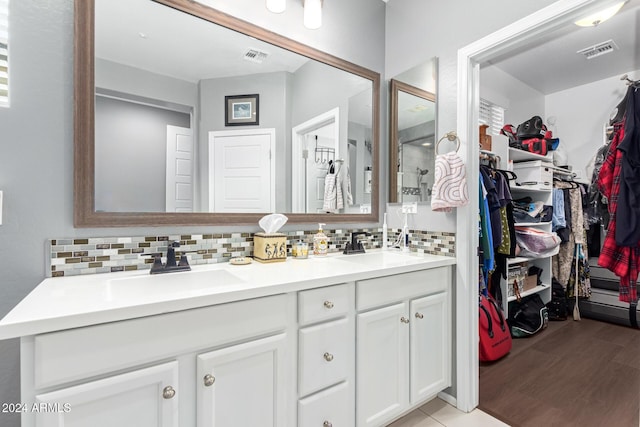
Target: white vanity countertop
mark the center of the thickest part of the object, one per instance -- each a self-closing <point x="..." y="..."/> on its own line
<point x="76" y="301"/>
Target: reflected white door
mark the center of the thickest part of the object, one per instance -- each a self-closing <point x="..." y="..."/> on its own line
<point x="179" y="176"/>
<point x="241" y="171"/>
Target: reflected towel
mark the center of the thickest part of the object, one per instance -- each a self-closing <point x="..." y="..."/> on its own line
<point x="330" y="193"/>
<point x="450" y="186"/>
<point x="345" y="198"/>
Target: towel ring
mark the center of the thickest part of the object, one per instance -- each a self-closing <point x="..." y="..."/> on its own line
<point x="451" y="136"/>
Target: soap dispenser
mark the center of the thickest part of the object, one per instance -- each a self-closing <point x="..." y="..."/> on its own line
<point x="320" y="242"/>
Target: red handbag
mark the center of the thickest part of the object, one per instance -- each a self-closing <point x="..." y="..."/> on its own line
<point x="495" y="337"/>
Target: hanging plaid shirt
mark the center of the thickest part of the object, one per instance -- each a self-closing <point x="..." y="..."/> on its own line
<point x="621" y="260"/>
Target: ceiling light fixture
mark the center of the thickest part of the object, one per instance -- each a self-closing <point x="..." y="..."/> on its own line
<point x="599" y="17"/>
<point x="313" y="14"/>
<point x="276" y="6"/>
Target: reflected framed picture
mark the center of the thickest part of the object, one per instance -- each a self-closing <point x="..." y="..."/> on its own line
<point x="241" y="110"/>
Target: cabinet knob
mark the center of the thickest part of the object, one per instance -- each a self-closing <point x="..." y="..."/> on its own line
<point x="209" y="380"/>
<point x="168" y="392"/>
<point x="328" y="357"/>
<point x="327" y="424"/>
<point x="328" y="304"/>
<point x="419" y="315"/>
<point x="404" y="319"/>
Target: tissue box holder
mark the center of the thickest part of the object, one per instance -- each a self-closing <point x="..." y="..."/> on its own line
<point x="270" y="247"/>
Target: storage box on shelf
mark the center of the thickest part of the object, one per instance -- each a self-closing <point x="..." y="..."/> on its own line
<point x="534" y="174"/>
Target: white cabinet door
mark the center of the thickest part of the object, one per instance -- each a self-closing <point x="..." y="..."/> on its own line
<point x="243" y="385"/>
<point x="133" y="399"/>
<point x="382" y="366"/>
<point x="429" y="346"/>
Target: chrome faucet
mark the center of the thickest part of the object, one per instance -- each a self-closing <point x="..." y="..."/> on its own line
<point x="355" y="247"/>
<point x="171" y="265"/>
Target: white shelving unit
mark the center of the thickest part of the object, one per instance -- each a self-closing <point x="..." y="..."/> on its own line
<point x="537" y="193"/>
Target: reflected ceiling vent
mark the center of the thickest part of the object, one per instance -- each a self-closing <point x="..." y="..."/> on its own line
<point x="255" y="55"/>
<point x="599" y="49"/>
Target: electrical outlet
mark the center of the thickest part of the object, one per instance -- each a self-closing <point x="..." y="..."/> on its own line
<point x="410" y="208"/>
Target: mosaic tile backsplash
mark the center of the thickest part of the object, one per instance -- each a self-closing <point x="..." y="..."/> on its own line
<point x="70" y="257"/>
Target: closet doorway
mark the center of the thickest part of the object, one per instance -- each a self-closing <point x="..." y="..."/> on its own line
<point x="520" y="35"/>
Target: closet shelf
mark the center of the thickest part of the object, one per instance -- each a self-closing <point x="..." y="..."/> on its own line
<point x="530" y="188"/>
<point x="518" y="155"/>
<point x="520" y="259"/>
<point x="535" y="290"/>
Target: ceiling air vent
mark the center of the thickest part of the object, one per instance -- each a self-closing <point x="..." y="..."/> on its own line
<point x="599" y="49"/>
<point x="255" y="55"/>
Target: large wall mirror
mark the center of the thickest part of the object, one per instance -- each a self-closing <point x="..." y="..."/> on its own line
<point x="188" y="116"/>
<point x="412" y="134"/>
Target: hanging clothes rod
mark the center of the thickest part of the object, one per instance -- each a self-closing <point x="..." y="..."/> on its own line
<point x="562" y="171"/>
<point x="485" y="155"/>
<point x="634" y="83"/>
<point x="493" y="159"/>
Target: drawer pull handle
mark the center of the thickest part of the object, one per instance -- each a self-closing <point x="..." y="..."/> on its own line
<point x="209" y="380"/>
<point x="404" y="319"/>
<point x="327" y="424"/>
<point x="328" y="304"/>
<point x="168" y="392"/>
<point x="328" y="357"/>
<point x="419" y="315"/>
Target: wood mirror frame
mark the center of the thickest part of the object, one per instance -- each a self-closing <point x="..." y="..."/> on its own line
<point x="85" y="214"/>
<point x="395" y="87"/>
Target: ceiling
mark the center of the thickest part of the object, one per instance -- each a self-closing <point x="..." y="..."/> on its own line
<point x="150" y="30"/>
<point x="551" y="64"/>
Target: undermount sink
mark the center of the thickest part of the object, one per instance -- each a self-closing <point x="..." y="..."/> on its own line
<point x="191" y="281"/>
<point x="385" y="259"/>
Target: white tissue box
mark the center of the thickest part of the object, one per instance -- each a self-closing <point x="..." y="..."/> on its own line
<point x="270" y="247"/>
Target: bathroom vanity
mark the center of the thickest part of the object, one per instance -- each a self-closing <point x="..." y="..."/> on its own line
<point x="339" y="340"/>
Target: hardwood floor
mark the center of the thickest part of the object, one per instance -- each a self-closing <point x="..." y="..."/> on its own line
<point x="575" y="373"/>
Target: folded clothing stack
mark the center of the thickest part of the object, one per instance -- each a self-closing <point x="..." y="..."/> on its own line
<point x="525" y="210"/>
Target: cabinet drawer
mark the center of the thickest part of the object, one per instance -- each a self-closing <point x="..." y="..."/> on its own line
<point x="95" y="350"/>
<point x="326" y="353"/>
<point x="321" y="304"/>
<point x="386" y="290"/>
<point x="331" y="407"/>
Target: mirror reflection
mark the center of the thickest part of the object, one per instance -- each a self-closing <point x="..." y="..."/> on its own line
<point x="412" y="134"/>
<point x="202" y="118"/>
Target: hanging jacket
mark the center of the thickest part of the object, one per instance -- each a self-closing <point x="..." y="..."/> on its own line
<point x="628" y="212"/>
<point x="623" y="261"/>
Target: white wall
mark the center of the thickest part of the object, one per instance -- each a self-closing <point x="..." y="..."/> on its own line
<point x="36" y="166"/>
<point x="134" y="81"/>
<point x="581" y="112"/>
<point x="131" y="148"/>
<point x="520" y="101"/>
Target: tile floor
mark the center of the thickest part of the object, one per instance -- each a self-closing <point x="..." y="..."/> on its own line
<point x="438" y="413"/>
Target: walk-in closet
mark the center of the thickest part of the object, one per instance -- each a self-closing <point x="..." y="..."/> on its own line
<point x="559" y="227"/>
